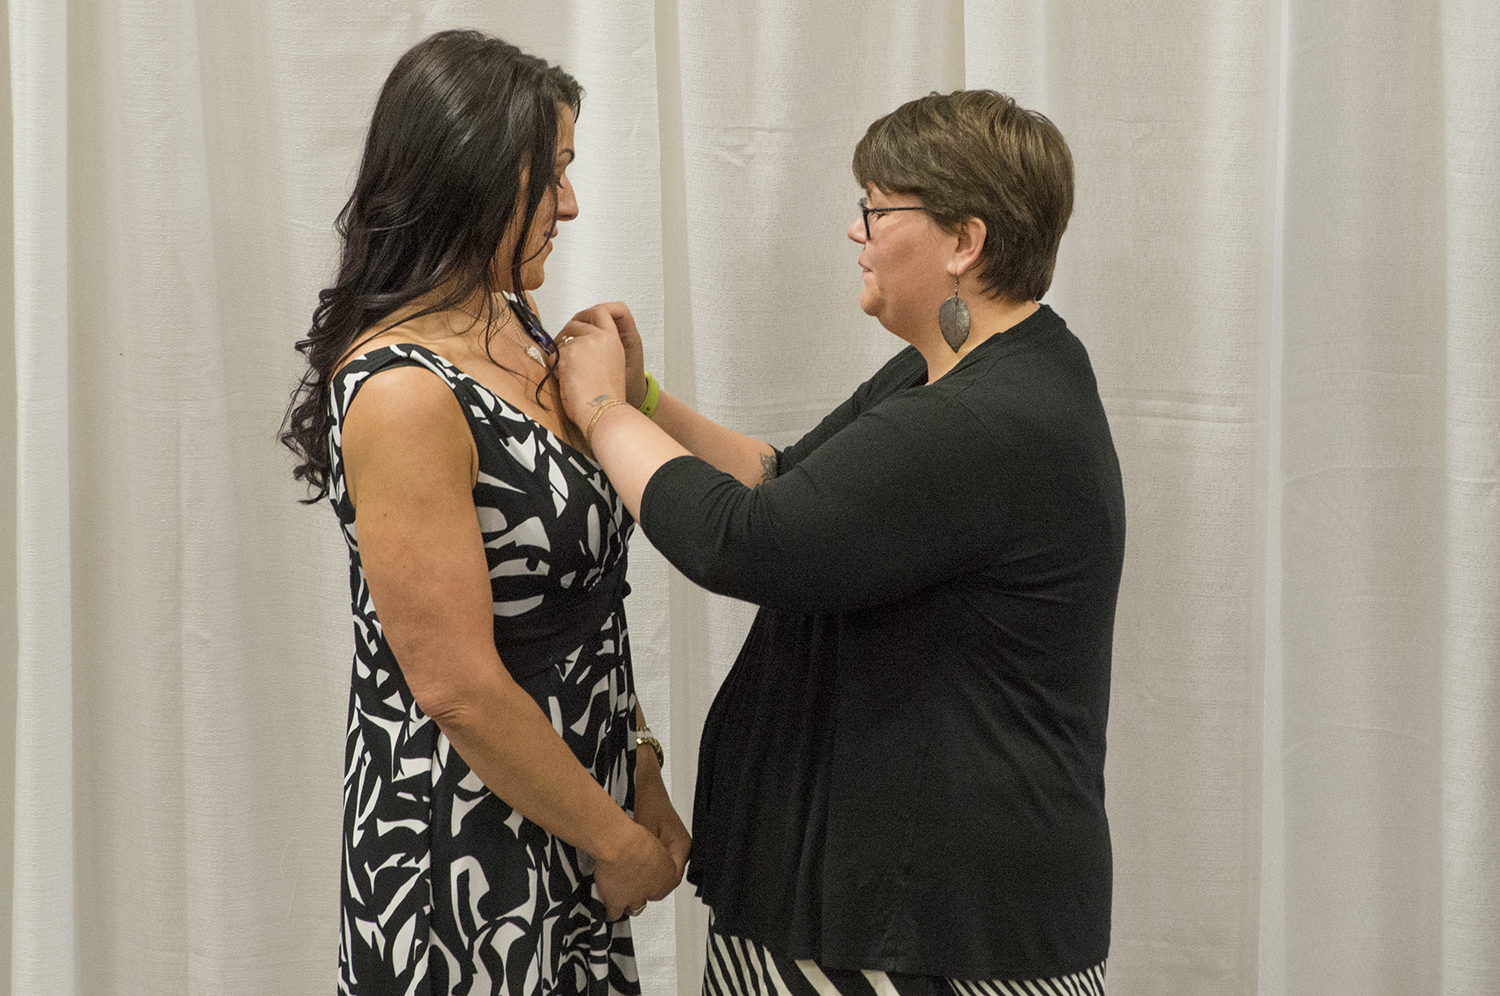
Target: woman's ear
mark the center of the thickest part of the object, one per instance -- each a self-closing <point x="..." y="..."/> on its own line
<point x="970" y="241"/>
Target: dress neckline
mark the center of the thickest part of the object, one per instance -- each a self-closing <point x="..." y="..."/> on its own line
<point x="396" y="347"/>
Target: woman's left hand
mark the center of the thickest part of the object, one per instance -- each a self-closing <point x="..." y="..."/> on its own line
<point x="635" y="353"/>
<point x="655" y="812"/>
<point x="590" y="363"/>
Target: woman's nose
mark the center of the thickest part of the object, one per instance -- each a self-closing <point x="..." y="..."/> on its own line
<point x="567" y="201"/>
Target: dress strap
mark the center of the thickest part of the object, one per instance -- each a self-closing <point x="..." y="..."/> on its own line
<point x="348" y="381"/>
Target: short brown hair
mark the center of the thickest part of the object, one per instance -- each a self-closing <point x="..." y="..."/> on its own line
<point x="976" y="154"/>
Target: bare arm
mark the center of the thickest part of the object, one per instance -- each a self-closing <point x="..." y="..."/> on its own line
<point x="591" y="371"/>
<point x="410" y="465"/>
<point x="748" y="460"/>
<point x="653" y="807"/>
<point x="743" y="457"/>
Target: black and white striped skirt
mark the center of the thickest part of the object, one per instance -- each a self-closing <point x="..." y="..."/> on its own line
<point x="739" y="967"/>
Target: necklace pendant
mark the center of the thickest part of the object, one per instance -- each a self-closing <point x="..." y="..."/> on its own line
<point x="535" y="354"/>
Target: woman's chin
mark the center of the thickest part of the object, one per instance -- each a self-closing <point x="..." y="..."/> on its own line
<point x="534" y="270"/>
<point x="871" y="305"/>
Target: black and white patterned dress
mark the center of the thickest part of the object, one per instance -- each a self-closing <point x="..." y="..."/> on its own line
<point x="445" y="888"/>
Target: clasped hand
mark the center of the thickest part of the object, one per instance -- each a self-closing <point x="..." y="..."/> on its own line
<point x="644" y="870"/>
<point x="656" y="858"/>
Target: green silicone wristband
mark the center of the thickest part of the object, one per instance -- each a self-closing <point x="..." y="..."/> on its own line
<point x="653" y="396"/>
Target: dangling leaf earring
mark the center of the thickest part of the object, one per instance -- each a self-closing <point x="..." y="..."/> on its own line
<point x="953" y="319"/>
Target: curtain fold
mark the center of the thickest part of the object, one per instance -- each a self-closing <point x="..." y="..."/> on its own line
<point x="1470" y="658"/>
<point x="43" y="931"/>
<point x="1362" y="510"/>
<point x="1283" y="261"/>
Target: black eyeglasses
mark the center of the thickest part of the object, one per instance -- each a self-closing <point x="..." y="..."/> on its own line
<point x="865" y="211"/>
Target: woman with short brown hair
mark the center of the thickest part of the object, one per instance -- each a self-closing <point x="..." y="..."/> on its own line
<point x="977" y="154"/>
<point x="901" y="781"/>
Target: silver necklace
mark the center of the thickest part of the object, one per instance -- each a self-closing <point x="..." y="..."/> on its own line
<point x="529" y="348"/>
<point x="533" y="344"/>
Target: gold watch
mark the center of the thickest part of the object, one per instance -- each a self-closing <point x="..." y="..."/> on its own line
<point x="645" y="737"/>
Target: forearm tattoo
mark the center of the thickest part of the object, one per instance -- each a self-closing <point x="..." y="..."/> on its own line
<point x="767" y="467"/>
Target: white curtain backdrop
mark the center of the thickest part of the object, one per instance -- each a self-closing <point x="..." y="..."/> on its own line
<point x="1285" y="261"/>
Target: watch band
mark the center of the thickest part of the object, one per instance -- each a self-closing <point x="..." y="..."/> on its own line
<point x="645" y="737"/>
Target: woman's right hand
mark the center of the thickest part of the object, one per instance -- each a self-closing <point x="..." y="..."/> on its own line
<point x="642" y="871"/>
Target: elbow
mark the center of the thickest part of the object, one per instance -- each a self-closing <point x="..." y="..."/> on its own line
<point x="448" y="707"/>
<point x="706" y="568"/>
<point x="766" y="578"/>
<point x="457" y="698"/>
<point x="467" y="716"/>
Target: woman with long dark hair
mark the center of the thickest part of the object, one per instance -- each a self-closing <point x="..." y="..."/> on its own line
<point x="499" y="821"/>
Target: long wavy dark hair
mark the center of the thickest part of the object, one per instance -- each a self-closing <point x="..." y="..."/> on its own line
<point x="462" y="122"/>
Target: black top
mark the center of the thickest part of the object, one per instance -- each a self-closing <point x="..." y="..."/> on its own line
<point x="904" y="770"/>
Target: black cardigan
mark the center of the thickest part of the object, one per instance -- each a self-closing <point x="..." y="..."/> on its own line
<point x="904" y="770"/>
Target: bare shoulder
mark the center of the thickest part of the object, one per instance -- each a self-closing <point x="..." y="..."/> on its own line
<point x="406" y="425"/>
<point x="404" y="394"/>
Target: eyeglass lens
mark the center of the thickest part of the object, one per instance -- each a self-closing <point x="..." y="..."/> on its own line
<point x="865" y="211"/>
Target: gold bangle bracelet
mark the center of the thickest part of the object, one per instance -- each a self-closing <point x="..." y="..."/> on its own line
<point x="588" y="434"/>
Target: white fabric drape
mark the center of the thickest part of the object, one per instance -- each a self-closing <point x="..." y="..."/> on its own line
<point x="1285" y="261"/>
